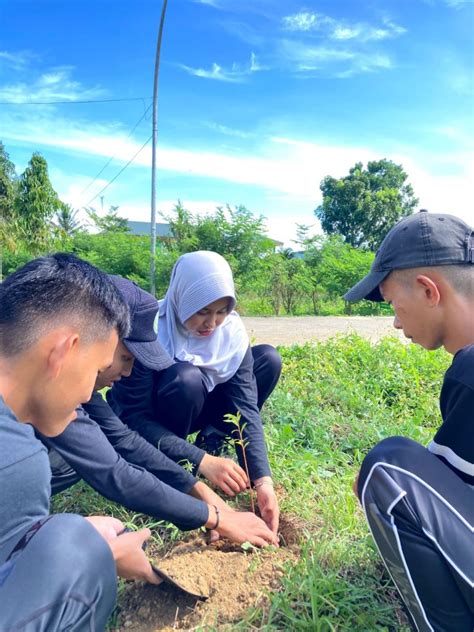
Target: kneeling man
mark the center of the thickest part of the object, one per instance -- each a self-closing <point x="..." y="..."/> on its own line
<point x="419" y="502"/>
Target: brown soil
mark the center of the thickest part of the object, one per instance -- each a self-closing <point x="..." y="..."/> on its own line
<point x="234" y="579"/>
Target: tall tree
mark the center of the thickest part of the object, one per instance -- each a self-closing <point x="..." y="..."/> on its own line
<point x="66" y="220"/>
<point x="111" y="222"/>
<point x="235" y="233"/>
<point x="7" y="178"/>
<point x="365" y="204"/>
<point x="66" y="225"/>
<point x="36" y="203"/>
<point x="7" y="198"/>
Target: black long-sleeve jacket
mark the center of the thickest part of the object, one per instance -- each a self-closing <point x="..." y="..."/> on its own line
<point x="122" y="466"/>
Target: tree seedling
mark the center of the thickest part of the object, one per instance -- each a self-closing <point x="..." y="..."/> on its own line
<point x="238" y="439"/>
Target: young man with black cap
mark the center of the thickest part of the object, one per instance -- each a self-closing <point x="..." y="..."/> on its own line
<point x="419" y="503"/>
<point x="124" y="467"/>
<point x="60" y="319"/>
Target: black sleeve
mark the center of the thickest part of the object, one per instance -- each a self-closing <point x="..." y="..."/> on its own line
<point x="86" y="448"/>
<point x="132" y="401"/>
<point x="453" y="442"/>
<point x="135" y="449"/>
<point x="240" y="393"/>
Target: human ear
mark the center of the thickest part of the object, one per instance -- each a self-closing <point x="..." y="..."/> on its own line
<point x="63" y="345"/>
<point x="430" y="289"/>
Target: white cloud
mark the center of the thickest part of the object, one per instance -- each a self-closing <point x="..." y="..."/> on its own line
<point x="302" y="21"/>
<point x="211" y="3"/>
<point x="457" y="4"/>
<point x="340" y="62"/>
<point x="227" y="131"/>
<point x="326" y="26"/>
<point x="15" y="61"/>
<point x="54" y="85"/>
<point x="302" y="54"/>
<point x="366" y="63"/>
<point x="345" y="32"/>
<point x="461" y="134"/>
<point x="71" y="186"/>
<point x="255" y="66"/>
<point x="281" y="164"/>
<point x="236" y="73"/>
<point x="279" y="167"/>
<point x="216" y="72"/>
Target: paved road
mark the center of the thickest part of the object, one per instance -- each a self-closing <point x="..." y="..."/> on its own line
<point x="288" y="330"/>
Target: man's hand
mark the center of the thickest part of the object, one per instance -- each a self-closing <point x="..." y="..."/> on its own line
<point x="130" y="558"/>
<point x="108" y="527"/>
<point x="243" y="527"/>
<point x="224" y="473"/>
<point x="268" y="503"/>
<point x="127" y="550"/>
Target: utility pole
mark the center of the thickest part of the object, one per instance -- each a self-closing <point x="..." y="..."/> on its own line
<point x="153" y="151"/>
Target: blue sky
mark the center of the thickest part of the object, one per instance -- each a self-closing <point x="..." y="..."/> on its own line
<point x="259" y="99"/>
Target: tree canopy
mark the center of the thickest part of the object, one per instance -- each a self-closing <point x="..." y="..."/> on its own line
<point x="235" y="233"/>
<point x="7" y="178"/>
<point x="36" y="203"/>
<point x="364" y="205"/>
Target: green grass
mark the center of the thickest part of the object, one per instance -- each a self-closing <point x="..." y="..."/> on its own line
<point x="334" y="402"/>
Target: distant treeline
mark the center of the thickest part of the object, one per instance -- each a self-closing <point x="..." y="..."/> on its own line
<point x="311" y="279"/>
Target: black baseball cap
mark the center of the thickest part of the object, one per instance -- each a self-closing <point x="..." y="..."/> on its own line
<point x="420" y="240"/>
<point x="142" y="340"/>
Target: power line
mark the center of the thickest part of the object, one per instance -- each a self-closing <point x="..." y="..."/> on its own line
<point x="74" y="102"/>
<point x="121" y="171"/>
<point x="112" y="157"/>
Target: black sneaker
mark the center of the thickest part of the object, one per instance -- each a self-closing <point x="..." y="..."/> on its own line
<point x="213" y="441"/>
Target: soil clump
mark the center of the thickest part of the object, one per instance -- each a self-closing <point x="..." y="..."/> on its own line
<point x="235" y="580"/>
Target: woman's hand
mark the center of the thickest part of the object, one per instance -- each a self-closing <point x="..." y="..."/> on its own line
<point x="206" y="494"/>
<point x="241" y="527"/>
<point x="268" y="503"/>
<point x="224" y="473"/>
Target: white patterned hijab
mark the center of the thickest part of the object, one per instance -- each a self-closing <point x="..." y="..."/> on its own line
<point x="199" y="279"/>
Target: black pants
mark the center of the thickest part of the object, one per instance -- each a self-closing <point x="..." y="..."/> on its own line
<point x="421" y="515"/>
<point x="183" y="404"/>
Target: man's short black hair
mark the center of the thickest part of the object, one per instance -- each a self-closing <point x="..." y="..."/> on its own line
<point x="54" y="289"/>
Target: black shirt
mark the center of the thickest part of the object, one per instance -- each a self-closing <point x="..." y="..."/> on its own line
<point x="132" y="399"/>
<point x="454" y="441"/>
<point x="122" y="466"/>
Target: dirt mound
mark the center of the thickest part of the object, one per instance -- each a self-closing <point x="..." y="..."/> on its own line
<point x="234" y="579"/>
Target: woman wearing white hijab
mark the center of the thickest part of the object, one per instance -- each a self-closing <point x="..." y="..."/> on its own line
<point x="187" y="328"/>
<point x="216" y="372"/>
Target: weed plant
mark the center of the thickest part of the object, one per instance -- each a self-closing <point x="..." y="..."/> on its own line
<point x="335" y="400"/>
